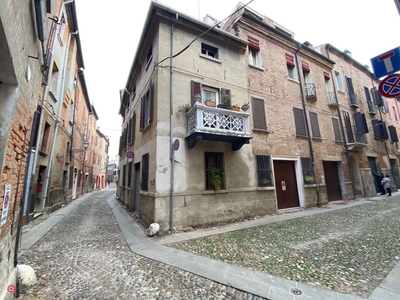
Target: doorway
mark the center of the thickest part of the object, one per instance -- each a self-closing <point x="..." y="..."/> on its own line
<point x="287" y="194"/>
<point x="332" y="180"/>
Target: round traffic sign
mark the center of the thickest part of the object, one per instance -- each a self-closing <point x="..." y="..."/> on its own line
<point x="176" y="144"/>
<point x="11" y="289"/>
<point x="130" y="154"/>
<point x="390" y="86"/>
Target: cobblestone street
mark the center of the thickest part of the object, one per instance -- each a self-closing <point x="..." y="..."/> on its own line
<point x="85" y="256"/>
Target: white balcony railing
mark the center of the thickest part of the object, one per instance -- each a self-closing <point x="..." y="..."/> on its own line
<point x="214" y="120"/>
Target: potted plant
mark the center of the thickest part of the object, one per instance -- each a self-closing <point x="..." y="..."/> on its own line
<point x="245" y="106"/>
<point x="197" y="95"/>
<point x="235" y="107"/>
<point x="265" y="182"/>
<point x="184" y="107"/>
<point x="210" y="102"/>
<point x="308" y="179"/>
<point x="215" y="179"/>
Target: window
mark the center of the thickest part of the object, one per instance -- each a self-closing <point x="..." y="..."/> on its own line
<point x="258" y="112"/>
<point x="61" y="29"/>
<point x="393" y="134"/>
<point x="371" y="105"/>
<point x="291" y="67"/>
<point x="338" y="81"/>
<point x="149" y="57"/>
<point x="132" y="128"/>
<point x="308" y="171"/>
<point x="361" y="123"/>
<point x="349" y="130"/>
<point x="384" y="107"/>
<point x="314" y="125"/>
<point x="214" y="171"/>
<point x="336" y="130"/>
<point x="380" y="131"/>
<point x="145" y="172"/>
<point x="254" y="52"/>
<point x="221" y="97"/>
<point x="130" y="174"/>
<point x="146" y="109"/>
<point x="395" y="114"/>
<point x="299" y="122"/>
<point x="210" y="93"/>
<point x="350" y="91"/>
<point x="332" y="100"/>
<point x="46" y="136"/>
<point x="124" y="175"/>
<point x="264" y="170"/>
<point x="209" y="51"/>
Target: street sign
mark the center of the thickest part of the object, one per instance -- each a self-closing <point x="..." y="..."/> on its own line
<point x="386" y="63"/>
<point x="390" y="86"/>
<point x="130" y="154"/>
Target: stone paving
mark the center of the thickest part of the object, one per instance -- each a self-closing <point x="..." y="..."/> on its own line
<point x="85" y="256"/>
<point x="349" y="250"/>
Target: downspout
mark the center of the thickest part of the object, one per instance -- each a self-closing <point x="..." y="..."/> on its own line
<point x="171" y="111"/>
<point x="303" y="102"/>
<point x="346" y="150"/>
<point x="61" y="99"/>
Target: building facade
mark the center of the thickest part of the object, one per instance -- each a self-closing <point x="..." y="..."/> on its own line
<point x="310" y="129"/>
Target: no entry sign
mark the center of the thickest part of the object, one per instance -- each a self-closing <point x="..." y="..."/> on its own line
<point x="390" y="86"/>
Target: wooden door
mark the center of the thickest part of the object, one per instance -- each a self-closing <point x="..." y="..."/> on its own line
<point x="332" y="180"/>
<point x="285" y="184"/>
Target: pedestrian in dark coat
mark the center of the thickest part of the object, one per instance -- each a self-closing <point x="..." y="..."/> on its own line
<point x="387" y="185"/>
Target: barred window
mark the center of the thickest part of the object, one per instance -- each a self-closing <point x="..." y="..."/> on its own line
<point x="264" y="170"/>
<point x="214" y="171"/>
<point x="124" y="175"/>
<point x="145" y="172"/>
<point x="308" y="171"/>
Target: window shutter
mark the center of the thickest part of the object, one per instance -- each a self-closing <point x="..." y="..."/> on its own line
<point x="142" y="114"/>
<point x="133" y="126"/>
<point x="327" y="76"/>
<point x="305" y="66"/>
<point x="193" y="87"/>
<point x="377" y="129"/>
<point x="299" y="122"/>
<point x="336" y="129"/>
<point x="253" y="44"/>
<point x="226" y="97"/>
<point x="378" y="100"/>
<point x="350" y="90"/>
<point x="259" y="119"/>
<point x="393" y="134"/>
<point x="384" y="130"/>
<point x="361" y="123"/>
<point x="289" y="60"/>
<point x="150" y="105"/>
<point x="314" y="125"/>
<point x="349" y="130"/>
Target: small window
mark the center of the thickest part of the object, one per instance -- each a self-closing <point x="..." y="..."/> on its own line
<point x="254" y="52"/>
<point x="299" y="122"/>
<point x="210" y="93"/>
<point x="130" y="174"/>
<point x="124" y="175"/>
<point x="259" y="116"/>
<point x="214" y="171"/>
<point x="338" y="81"/>
<point x="336" y="130"/>
<point x="291" y="67"/>
<point x="350" y="90"/>
<point x="264" y="170"/>
<point x="209" y="51"/>
<point x="308" y="171"/>
<point x="370" y="103"/>
<point x="146" y="110"/>
<point x="149" y="57"/>
<point x="46" y="137"/>
<point x="314" y="125"/>
<point x="145" y="172"/>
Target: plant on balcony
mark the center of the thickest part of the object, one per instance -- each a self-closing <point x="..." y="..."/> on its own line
<point x="210" y="102"/>
<point x="215" y="179"/>
<point x="184" y="107"/>
<point x="245" y="106"/>
<point x="235" y="107"/>
<point x="197" y="95"/>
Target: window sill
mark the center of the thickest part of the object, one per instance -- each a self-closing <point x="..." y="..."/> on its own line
<point x="42" y="153"/>
<point x="261" y="130"/>
<point x="256" y="67"/>
<point x="265" y="188"/>
<point x="211" y="192"/>
<point x="210" y="58"/>
<point x="293" y="80"/>
<point x="317" y="139"/>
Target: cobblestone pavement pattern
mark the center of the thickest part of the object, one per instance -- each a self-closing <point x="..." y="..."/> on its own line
<point x="349" y="250"/>
<point x="85" y="256"/>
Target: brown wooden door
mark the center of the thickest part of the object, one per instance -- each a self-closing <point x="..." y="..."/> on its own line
<point x="332" y="180"/>
<point x="285" y="184"/>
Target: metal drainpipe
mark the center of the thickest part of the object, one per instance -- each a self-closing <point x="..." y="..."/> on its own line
<point x="171" y="111"/>
<point x="61" y="99"/>
<point x="343" y="133"/>
<point x="303" y="102"/>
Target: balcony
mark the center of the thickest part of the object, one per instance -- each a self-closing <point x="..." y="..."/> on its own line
<point x="311" y="92"/>
<point x="332" y="99"/>
<point x="356" y="141"/>
<point x="217" y="124"/>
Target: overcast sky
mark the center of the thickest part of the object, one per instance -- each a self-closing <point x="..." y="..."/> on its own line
<point x="110" y="30"/>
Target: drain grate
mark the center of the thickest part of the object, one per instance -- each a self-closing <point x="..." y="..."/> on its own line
<point x="295" y="291"/>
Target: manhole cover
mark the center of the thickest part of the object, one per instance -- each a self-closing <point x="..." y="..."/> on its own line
<point x="295" y="291"/>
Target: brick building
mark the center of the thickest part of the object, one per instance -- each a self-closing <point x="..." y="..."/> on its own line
<point x="309" y="137"/>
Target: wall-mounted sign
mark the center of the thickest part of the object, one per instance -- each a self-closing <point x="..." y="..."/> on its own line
<point x="130" y="154"/>
<point x="390" y="86"/>
<point x="176" y="144"/>
<point x="283" y="183"/>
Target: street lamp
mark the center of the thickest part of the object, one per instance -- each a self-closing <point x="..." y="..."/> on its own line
<point x="85" y="146"/>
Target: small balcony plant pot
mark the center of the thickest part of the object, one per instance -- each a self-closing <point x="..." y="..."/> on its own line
<point x="235" y="108"/>
<point x="197" y="97"/>
<point x="210" y="103"/>
<point x="245" y="107"/>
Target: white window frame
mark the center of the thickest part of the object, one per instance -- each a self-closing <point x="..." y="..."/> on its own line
<point x="208" y="92"/>
<point x="339" y="81"/>
<point x="255" y="57"/>
<point x="292" y="72"/>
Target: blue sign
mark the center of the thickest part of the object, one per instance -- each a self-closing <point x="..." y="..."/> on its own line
<point x="386" y="63"/>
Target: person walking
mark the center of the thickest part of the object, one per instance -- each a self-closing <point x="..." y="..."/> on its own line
<point x="387" y="185"/>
